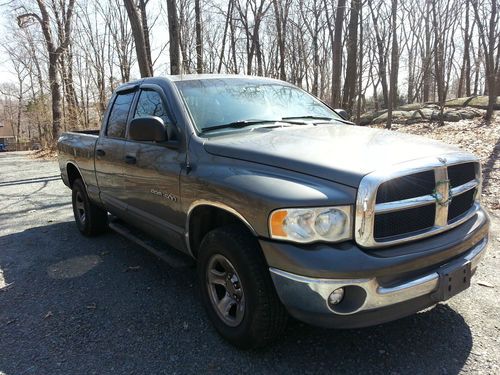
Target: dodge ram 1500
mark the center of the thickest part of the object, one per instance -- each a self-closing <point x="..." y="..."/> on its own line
<point x="286" y="207"/>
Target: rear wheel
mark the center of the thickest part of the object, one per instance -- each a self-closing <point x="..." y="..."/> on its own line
<point x="237" y="290"/>
<point x="90" y="219"/>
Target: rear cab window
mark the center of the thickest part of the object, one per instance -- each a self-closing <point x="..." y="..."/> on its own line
<point x="117" y="120"/>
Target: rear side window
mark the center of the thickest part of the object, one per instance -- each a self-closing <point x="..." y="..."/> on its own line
<point x="150" y="104"/>
<point x="117" y="121"/>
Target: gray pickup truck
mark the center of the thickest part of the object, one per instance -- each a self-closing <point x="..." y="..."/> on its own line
<point x="287" y="208"/>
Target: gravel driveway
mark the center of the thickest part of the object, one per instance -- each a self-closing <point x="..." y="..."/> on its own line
<point x="73" y="305"/>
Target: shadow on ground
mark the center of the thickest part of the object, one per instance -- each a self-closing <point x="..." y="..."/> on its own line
<point x="102" y="305"/>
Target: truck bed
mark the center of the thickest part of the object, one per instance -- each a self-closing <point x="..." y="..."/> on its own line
<point x="78" y="147"/>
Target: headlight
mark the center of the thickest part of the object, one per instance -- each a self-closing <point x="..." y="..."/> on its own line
<point x="332" y="224"/>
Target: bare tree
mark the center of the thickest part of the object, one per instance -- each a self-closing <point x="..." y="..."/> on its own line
<point x="173" y="31"/>
<point x="54" y="51"/>
<point x="336" y="34"/>
<point x="352" y="58"/>
<point x="199" y="38"/>
<point x="393" y="80"/>
<point x="489" y="36"/>
<point x="141" y="46"/>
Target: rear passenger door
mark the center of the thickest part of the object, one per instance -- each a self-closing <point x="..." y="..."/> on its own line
<point x="152" y="175"/>
<point x="109" y="153"/>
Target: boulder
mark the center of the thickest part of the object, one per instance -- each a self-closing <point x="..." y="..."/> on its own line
<point x="432" y="106"/>
<point x="452" y="116"/>
<point x="367" y="118"/>
<point x="426" y="113"/>
<point x="411" y="107"/>
<point x="469" y="113"/>
<point x="416" y="116"/>
<point x="457" y="102"/>
<point x="482" y="102"/>
<point x="398" y="117"/>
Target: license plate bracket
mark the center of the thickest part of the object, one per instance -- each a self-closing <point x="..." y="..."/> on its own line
<point x="453" y="279"/>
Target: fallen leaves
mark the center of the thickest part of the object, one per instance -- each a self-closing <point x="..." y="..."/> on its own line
<point x="485" y="284"/>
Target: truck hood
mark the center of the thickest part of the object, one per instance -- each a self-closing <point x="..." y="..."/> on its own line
<point x="339" y="153"/>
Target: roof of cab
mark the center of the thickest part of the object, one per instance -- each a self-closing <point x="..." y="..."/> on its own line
<point x="192" y="77"/>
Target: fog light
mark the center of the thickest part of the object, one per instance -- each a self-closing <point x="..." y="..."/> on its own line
<point x="336" y="297"/>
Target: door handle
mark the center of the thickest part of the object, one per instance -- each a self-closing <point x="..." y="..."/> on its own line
<point x="129" y="159"/>
<point x="100" y="152"/>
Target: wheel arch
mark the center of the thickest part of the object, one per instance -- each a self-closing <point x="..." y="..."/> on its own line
<point x="73" y="173"/>
<point x="204" y="216"/>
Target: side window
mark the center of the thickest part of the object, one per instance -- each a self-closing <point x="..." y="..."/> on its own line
<point x="117" y="121"/>
<point x="150" y="104"/>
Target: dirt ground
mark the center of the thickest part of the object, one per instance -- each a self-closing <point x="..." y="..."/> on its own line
<point x="74" y="305"/>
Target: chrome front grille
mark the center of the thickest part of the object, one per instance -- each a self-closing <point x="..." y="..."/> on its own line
<point x="416" y="199"/>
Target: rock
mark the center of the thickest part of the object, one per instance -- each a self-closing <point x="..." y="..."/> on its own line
<point x="469" y="113"/>
<point x="415" y="117"/>
<point x="482" y="102"/>
<point x="452" y="116"/>
<point x="411" y="107"/>
<point x="398" y="117"/>
<point x="485" y="283"/>
<point x="435" y="115"/>
<point x="457" y="102"/>
<point x="367" y="118"/>
<point x="432" y="106"/>
<point x="426" y="113"/>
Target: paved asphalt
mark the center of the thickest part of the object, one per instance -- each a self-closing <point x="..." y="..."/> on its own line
<point x="73" y="305"/>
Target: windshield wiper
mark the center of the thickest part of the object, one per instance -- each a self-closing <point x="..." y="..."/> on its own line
<point x="308" y="117"/>
<point x="238" y="124"/>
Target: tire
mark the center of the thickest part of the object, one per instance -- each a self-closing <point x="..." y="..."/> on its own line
<point x="90" y="219"/>
<point x="263" y="318"/>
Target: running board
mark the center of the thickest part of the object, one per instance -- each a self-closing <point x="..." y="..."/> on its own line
<point x="169" y="255"/>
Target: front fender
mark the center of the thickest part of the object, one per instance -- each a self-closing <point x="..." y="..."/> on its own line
<point x="252" y="191"/>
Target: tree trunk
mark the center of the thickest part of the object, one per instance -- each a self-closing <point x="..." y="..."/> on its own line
<point x="337" y="54"/>
<point x="352" y="58"/>
<point x="488" y="38"/>
<point x="173" y="31"/>
<point x="393" y="79"/>
<point x="139" y="38"/>
<point x="199" y="39"/>
<point x="464" y="80"/>
<point x="54" y="52"/>
<point x="382" y="61"/>
<point x="426" y="60"/>
<point x="145" y="31"/>
<point x="224" y="35"/>
<point x="55" y="90"/>
<point x="281" y="39"/>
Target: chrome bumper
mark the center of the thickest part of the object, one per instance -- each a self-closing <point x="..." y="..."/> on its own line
<point x="311" y="294"/>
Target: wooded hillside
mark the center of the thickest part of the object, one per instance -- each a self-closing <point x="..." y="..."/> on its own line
<point x="67" y="56"/>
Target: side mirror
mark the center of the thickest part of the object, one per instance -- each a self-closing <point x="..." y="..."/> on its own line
<point x="149" y="129"/>
<point x="342" y="113"/>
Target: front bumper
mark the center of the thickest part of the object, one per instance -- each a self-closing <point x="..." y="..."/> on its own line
<point x="402" y="285"/>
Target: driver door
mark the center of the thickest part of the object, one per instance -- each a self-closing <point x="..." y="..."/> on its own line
<point x="152" y="173"/>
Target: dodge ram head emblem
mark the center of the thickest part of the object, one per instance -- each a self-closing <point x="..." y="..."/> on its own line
<point x="442" y="193"/>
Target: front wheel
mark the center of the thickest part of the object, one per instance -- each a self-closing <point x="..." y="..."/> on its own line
<point x="237" y="290"/>
<point x="90" y="219"/>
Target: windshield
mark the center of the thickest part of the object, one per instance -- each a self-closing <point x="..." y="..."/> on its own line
<point x="217" y="102"/>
